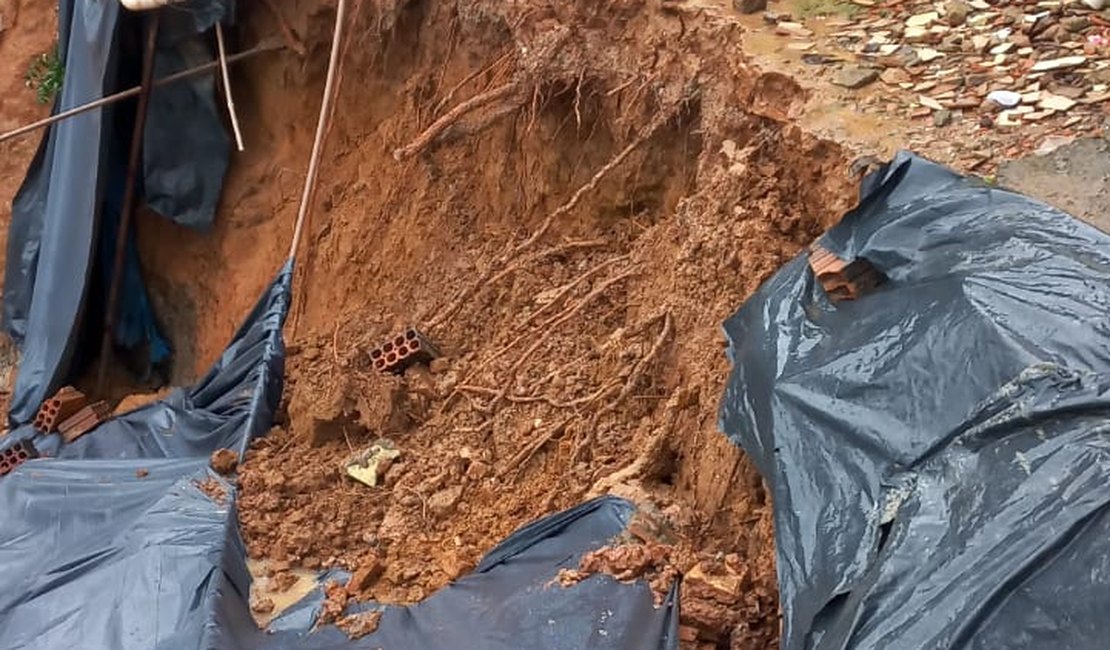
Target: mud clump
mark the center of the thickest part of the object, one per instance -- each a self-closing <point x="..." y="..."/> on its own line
<point x="224" y="461"/>
<point x="356" y="626"/>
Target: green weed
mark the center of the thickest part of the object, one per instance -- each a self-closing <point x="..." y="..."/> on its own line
<point x="45" y="75"/>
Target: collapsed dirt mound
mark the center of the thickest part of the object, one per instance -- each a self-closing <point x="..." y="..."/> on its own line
<point x="567" y="199"/>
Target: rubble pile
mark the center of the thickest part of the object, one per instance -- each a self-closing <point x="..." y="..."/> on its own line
<point x="1008" y="73"/>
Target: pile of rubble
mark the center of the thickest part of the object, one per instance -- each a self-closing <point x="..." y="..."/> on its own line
<point x="999" y="67"/>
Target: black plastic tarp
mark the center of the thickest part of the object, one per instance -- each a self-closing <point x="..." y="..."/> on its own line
<point x="56" y="236"/>
<point x="110" y="542"/>
<point x="938" y="449"/>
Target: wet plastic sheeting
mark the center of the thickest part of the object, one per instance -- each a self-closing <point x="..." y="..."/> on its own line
<point x="53" y="228"/>
<point x="510" y="602"/>
<point x="56" y="213"/>
<point x="175" y="185"/>
<point x="112" y="542"/>
<point x="938" y="450"/>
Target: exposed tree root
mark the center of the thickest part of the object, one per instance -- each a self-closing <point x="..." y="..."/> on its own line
<point x="437" y="128"/>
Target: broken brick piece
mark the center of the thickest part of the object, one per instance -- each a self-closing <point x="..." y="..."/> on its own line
<point x="402" y="351"/>
<point x="16" y="455"/>
<point x="61" y="406"/>
<point x="85" y="420"/>
<point x="843" y="279"/>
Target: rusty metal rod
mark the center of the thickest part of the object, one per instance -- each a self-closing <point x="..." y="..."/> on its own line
<point x="268" y="46"/>
<point x="128" y="197"/>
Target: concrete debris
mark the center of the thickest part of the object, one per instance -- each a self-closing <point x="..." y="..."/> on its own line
<point x="370" y="465"/>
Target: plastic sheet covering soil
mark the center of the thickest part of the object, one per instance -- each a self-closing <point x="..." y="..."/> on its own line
<point x="937" y="449"/>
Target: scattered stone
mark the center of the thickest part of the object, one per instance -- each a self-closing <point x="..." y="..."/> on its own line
<point x="1071" y="92"/>
<point x="854" y="77"/>
<point x="1006" y="118"/>
<point x="749" y="6"/>
<point x="1020" y="40"/>
<point x="1004" y="98"/>
<point x="915" y="34"/>
<point x="1074" y="23"/>
<point x="359" y="625"/>
<point x="924" y="20"/>
<point x="930" y="103"/>
<point x="1059" y="64"/>
<point x="224" y="461"/>
<point x="927" y="54"/>
<point x="142" y="472"/>
<point x="895" y="76"/>
<point x="942" y="118"/>
<point x="796" y="30"/>
<point x="443" y="503"/>
<point x="1055" y="102"/>
<point x="955" y="12"/>
<point x="1002" y="48"/>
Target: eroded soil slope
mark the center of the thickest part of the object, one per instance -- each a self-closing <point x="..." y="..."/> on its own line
<point x="608" y="185"/>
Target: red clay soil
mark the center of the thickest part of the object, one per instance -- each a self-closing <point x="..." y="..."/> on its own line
<point x="623" y="180"/>
<point x="573" y="247"/>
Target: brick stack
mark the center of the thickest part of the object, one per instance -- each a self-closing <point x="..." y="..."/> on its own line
<point x="63" y="405"/>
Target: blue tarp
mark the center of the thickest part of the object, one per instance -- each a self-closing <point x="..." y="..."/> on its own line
<point x="64" y="215"/>
<point x="111" y="542"/>
<point x="939" y="449"/>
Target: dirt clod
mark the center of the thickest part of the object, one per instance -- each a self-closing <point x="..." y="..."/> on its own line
<point x="282" y="582"/>
<point x="224" y="461"/>
<point x="363" y="578"/>
<point x="359" y="625"/>
<point x="262" y="605"/>
<point x="213" y="489"/>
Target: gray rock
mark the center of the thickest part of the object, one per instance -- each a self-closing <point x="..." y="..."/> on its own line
<point x="942" y="117"/>
<point x="855" y="77"/>
<point x="1075" y="23"/>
